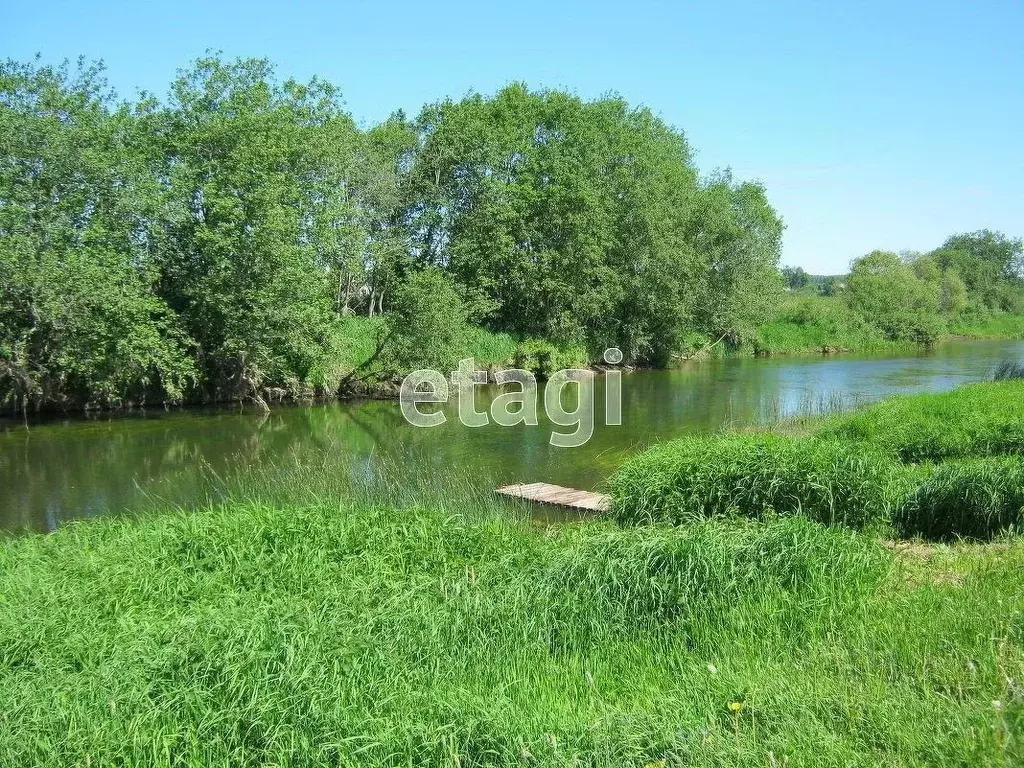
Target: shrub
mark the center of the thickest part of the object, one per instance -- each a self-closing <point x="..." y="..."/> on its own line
<point x="978" y="420"/>
<point x="542" y="358"/>
<point x="975" y="499"/>
<point x="810" y="324"/>
<point x="428" y="326"/>
<point x="753" y="475"/>
<point x="488" y="347"/>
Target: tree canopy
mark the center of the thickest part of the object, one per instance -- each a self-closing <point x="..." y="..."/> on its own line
<point x="211" y="245"/>
<point x="215" y="244"/>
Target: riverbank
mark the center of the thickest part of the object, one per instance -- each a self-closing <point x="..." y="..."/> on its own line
<point x="940" y="465"/>
<point x="811" y="324"/>
<point x="326" y="627"/>
<point x="249" y="634"/>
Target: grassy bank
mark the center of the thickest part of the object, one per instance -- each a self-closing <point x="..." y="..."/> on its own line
<point x="810" y="324"/>
<point x="487" y="348"/>
<point x="768" y="620"/>
<point x="252" y="635"/>
<point x="943" y="465"/>
<point x="989" y="326"/>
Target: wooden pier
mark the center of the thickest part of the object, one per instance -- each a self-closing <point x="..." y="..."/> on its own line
<point x="545" y="493"/>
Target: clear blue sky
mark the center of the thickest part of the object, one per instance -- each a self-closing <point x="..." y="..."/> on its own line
<point x="872" y="124"/>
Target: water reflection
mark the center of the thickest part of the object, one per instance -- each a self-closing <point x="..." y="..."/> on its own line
<point x="73" y="468"/>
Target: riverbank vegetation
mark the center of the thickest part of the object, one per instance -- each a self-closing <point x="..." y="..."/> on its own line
<point x="243" y="238"/>
<point x="209" y="246"/>
<point x="768" y="618"/>
<point x="943" y="466"/>
<point x="351" y="634"/>
<point x="972" y="286"/>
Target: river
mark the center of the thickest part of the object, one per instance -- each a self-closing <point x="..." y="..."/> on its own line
<point x="63" y="469"/>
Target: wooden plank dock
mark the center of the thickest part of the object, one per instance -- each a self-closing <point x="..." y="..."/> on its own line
<point x="545" y="493"/>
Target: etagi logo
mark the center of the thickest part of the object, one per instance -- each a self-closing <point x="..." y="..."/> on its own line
<point x="519" y="405"/>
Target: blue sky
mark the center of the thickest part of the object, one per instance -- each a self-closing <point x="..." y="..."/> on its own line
<point x="872" y="124"/>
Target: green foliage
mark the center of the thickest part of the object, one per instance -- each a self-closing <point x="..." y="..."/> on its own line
<point x="542" y="358"/>
<point x="255" y="184"/>
<point x="991" y="267"/>
<point x="975" y="499"/>
<point x="428" y="327"/>
<point x="753" y="475"/>
<point x="816" y="323"/>
<point x="988" y="325"/>
<point x="212" y="247"/>
<point x="585" y="222"/>
<point x="215" y="246"/>
<point x="886" y="291"/>
<point x="253" y="635"/>
<point x="984" y="419"/>
<point x="795" y="277"/>
<point x="489" y="348"/>
<point x="80" y="323"/>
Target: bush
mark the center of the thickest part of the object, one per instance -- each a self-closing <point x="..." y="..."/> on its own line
<point x="428" y="325"/>
<point x="488" y="347"/>
<point x="978" y="420"/>
<point x="542" y="358"/>
<point x="811" y="324"/>
<point x="753" y="475"/>
<point x="975" y="499"/>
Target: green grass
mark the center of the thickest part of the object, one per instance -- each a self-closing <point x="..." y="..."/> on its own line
<point x="807" y="323"/>
<point x="977" y="499"/>
<point x="811" y="324"/>
<point x="985" y="419"/>
<point x="489" y="348"/>
<point x="359" y="339"/>
<point x="330" y="635"/>
<point x="755" y="475"/>
<point x="542" y="357"/>
<point x="316" y="619"/>
<point x="359" y="336"/>
<point x="915" y="464"/>
<point x="989" y="326"/>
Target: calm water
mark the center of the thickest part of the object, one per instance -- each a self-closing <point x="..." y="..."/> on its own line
<point x="53" y="472"/>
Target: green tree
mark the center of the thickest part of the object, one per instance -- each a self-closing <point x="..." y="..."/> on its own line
<point x="740" y="236"/>
<point x="80" y="323"/>
<point x="428" y="325"/>
<point x="991" y="266"/>
<point x="259" y="215"/>
<point x="954" y="293"/>
<point x="887" y="293"/>
<point x="795" y="277"/>
<point x="586" y="222"/>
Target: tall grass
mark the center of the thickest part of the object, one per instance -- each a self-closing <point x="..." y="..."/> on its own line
<point x="879" y="466"/>
<point x="985" y="419"/>
<point x="250" y="634"/>
<point x="992" y="325"/>
<point x="489" y="348"/>
<point x="978" y="499"/>
<point x="811" y="324"/>
<point x="754" y="475"/>
<point x="543" y="357"/>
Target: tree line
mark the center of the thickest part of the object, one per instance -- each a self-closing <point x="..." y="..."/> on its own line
<point x="917" y="297"/>
<point x="219" y="242"/>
